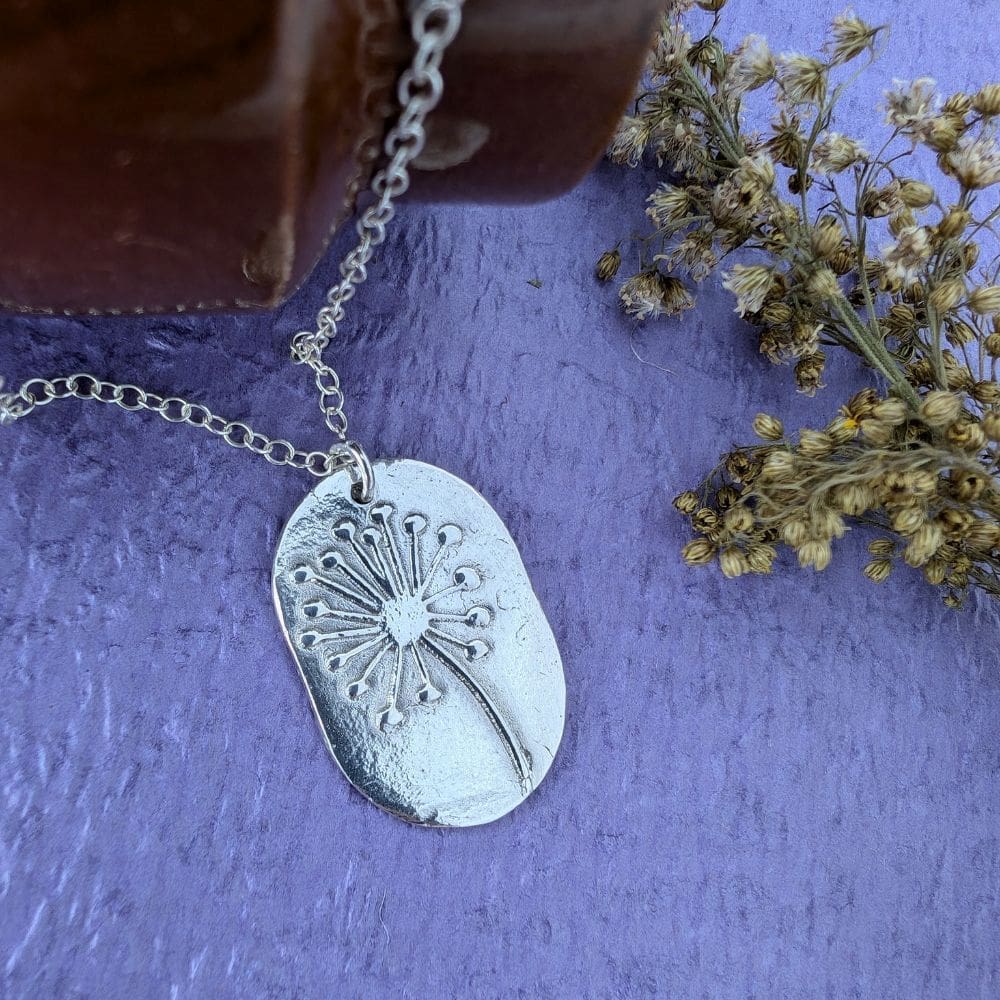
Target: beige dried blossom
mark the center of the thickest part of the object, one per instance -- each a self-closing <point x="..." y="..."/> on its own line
<point x="699" y="552"/>
<point x="750" y="67"/>
<point x="892" y="411"/>
<point x="947" y="295"/>
<point x="668" y="205"/>
<point x="787" y="142"/>
<point x="987" y="100"/>
<point x="916" y="194"/>
<point x="822" y="285"/>
<point x="733" y="562"/>
<point x="827" y="237"/>
<point x="809" y="373"/>
<point x="608" y="264"/>
<point x="911" y="105"/>
<point x="652" y="293"/>
<point x="905" y="258"/>
<point x="985" y="300"/>
<point x="778" y="466"/>
<point x="834" y="248"/>
<point x="751" y="284"/>
<point x="883" y="547"/>
<point x="630" y="140"/>
<point x="673" y="45"/>
<point x="738" y="519"/>
<point x="878" y="570"/>
<point x="850" y="36"/>
<point x="975" y="162"/>
<point x="954" y="222"/>
<point x="853" y="499"/>
<point x="940" y="408"/>
<point x="834" y="153"/>
<point x="761" y="556"/>
<point x="815" y="553"/>
<point x="926" y="540"/>
<point x="687" y="502"/>
<point x="695" y="254"/>
<point x="768" y="428"/>
<point x="803" y="79"/>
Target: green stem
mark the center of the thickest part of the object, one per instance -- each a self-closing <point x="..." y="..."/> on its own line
<point x="936" y="350"/>
<point x="727" y="143"/>
<point x="874" y="351"/>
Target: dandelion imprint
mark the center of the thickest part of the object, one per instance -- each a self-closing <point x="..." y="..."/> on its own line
<point x="388" y="613"/>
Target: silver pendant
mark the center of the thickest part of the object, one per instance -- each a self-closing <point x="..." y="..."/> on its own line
<point x="429" y="662"/>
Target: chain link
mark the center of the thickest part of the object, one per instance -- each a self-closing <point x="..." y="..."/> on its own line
<point x="433" y="25"/>
<point x="40" y="392"/>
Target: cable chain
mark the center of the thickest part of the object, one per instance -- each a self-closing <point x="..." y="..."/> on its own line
<point x="40" y="392"/>
<point x="433" y="23"/>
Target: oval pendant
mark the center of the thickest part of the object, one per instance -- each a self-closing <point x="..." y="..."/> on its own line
<point x="429" y="662"/>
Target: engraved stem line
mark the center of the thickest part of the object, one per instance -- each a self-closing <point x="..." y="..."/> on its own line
<point x="415" y="563"/>
<point x="382" y="516"/>
<point x="369" y="565"/>
<point x="359" y="600"/>
<point x="513" y="748"/>
<point x="359" y="581"/>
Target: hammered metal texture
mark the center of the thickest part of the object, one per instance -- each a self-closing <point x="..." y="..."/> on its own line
<point x="429" y="661"/>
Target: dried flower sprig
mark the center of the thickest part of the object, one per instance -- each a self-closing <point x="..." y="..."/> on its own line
<point x="844" y="248"/>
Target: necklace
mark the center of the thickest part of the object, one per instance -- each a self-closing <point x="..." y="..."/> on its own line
<point x="425" y="653"/>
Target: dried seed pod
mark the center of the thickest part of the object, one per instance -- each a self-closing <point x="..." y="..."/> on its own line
<point x="939" y="408"/>
<point x="947" y="295"/>
<point x="705" y="519"/>
<point x="908" y="520"/>
<point x="687" y="502"/>
<point x="878" y="570"/>
<point x="966" y="434"/>
<point x="935" y="571"/>
<point x="916" y="194"/>
<point x="877" y="432"/>
<point x="795" y="533"/>
<point x="986" y="392"/>
<point x="815" y="444"/>
<point x="761" y="558"/>
<point x="738" y="519"/>
<point x="699" y="552"/>
<point x="985" y="299"/>
<point x="608" y="264"/>
<point x="892" y="410"/>
<point x="726" y="497"/>
<point x="987" y="100"/>
<point x="768" y="428"/>
<point x="733" y="562"/>
<point x="882" y="547"/>
<point x="954" y="222"/>
<point x="816" y="554"/>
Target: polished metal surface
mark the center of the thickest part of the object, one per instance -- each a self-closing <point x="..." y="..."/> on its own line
<point x="428" y="659"/>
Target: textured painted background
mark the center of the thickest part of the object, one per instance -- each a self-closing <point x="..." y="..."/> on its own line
<point x="781" y="787"/>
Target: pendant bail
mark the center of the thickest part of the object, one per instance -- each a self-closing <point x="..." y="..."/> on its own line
<point x="360" y="471"/>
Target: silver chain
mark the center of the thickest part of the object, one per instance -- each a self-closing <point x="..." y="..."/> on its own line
<point x="433" y="25"/>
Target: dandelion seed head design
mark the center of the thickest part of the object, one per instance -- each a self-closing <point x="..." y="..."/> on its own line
<point x="383" y="587"/>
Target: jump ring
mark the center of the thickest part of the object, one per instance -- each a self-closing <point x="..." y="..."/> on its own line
<point x="361" y="473"/>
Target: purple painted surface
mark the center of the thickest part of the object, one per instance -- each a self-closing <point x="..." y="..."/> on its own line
<point x="782" y="787"/>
